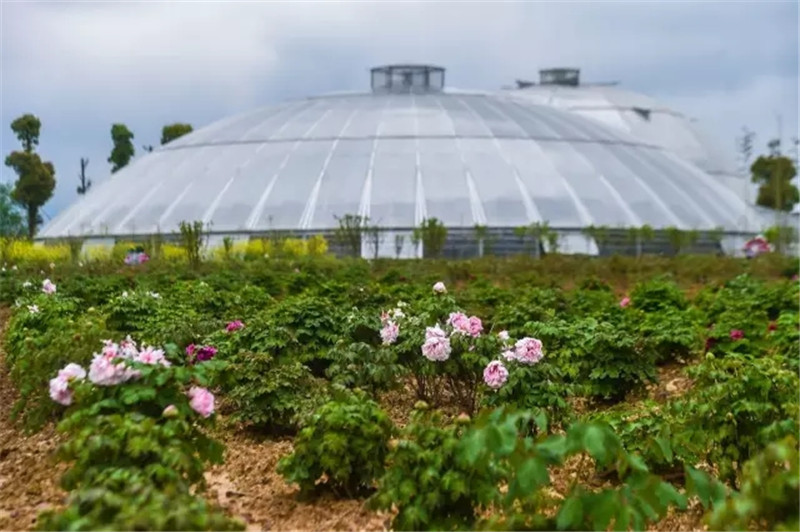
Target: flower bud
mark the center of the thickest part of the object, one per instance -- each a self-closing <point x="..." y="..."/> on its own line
<point x="170" y="411"/>
<point x="392" y="444"/>
<point x="420" y="405"/>
<point x="463" y="419"/>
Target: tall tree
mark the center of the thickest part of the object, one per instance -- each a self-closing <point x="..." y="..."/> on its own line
<point x="123" y="149"/>
<point x="34" y="186"/>
<point x="171" y="132"/>
<point x="10" y="217"/>
<point x="774" y="174"/>
<point x="86" y="183"/>
<point x="27" y="128"/>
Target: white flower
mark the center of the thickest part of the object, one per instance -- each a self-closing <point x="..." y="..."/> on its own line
<point x="27" y="284"/>
<point x="52" y="265"/>
<point x="125" y="293"/>
<point x="155" y="295"/>
<point x="503" y="335"/>
<point x="33" y="309"/>
<point x="14" y="267"/>
<point x="439" y="288"/>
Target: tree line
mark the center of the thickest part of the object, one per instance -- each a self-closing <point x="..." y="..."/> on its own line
<point x="36" y="179"/>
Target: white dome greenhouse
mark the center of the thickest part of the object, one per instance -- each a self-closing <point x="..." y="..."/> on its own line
<point x="406" y="151"/>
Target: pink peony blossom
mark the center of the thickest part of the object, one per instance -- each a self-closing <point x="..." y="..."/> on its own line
<point x="170" y="411"/>
<point x="495" y="374"/>
<point x="48" y="287"/>
<point x="60" y="392"/>
<point x="105" y="371"/>
<point x="201" y="401"/>
<point x="624" y="302"/>
<point x="72" y="372"/>
<point x="234" y="326"/>
<point x="503" y="336"/>
<point x="439" y="288"/>
<point x="148" y="355"/>
<point x="389" y="333"/>
<point x="736" y="334"/>
<point x="436" y="348"/>
<point x="509" y="354"/>
<point x="475" y="326"/>
<point x="434" y="332"/>
<point x="127" y="348"/>
<point x="459" y="321"/>
<point x="528" y="350"/>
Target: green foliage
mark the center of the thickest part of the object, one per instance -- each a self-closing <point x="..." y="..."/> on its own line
<point x="268" y="395"/>
<point x="192" y="240"/>
<point x="171" y="132"/>
<point x="431" y="481"/>
<point x="447" y="478"/>
<point x="127" y="500"/>
<point x="11" y="224"/>
<point x="769" y="498"/>
<point x="774" y="176"/>
<point x="433" y="235"/>
<point x="349" y="233"/>
<point x="346" y="441"/>
<point x="737" y="405"/>
<point x="34" y="186"/>
<point x="27" y="128"/>
<point x="658" y="294"/>
<point x="672" y="334"/>
<point x="123" y="150"/>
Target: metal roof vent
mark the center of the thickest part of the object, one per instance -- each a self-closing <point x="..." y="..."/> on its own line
<point x="407" y="78"/>
<point x="570" y="77"/>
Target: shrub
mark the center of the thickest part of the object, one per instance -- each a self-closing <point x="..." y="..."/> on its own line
<point x="268" y="394"/>
<point x="737" y="405"/>
<point x="346" y="441"/>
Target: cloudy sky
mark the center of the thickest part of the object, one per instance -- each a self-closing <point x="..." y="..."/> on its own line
<point x="80" y="66"/>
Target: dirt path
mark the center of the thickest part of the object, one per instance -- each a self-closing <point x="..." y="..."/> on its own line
<point x="28" y="473"/>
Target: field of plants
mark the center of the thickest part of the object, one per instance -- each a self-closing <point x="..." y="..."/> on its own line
<point x="314" y="393"/>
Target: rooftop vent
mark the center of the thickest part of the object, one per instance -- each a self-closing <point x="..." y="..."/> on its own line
<point x="560" y="76"/>
<point x="407" y="78"/>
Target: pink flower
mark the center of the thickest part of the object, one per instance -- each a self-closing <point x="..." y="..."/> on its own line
<point x="151" y="356"/>
<point x="795" y="277"/>
<point x="109" y="371"/>
<point x="439" y="288"/>
<point x="503" y="336"/>
<point x="736" y="334"/>
<point x="436" y="348"/>
<point x="389" y="333"/>
<point x="127" y="348"/>
<point x="190" y="350"/>
<point x="509" y="355"/>
<point x="772" y="326"/>
<point x="48" y="287"/>
<point x="624" y="302"/>
<point x="475" y="326"/>
<point x="434" y="332"/>
<point x="170" y="411"/>
<point x="201" y="401"/>
<point x="528" y="350"/>
<point x="207" y="352"/>
<point x="495" y="374"/>
<point x="60" y="392"/>
<point x="234" y="326"/>
<point x="459" y="321"/>
<point x="72" y="372"/>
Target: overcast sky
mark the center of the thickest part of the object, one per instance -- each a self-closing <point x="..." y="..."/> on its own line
<point x="80" y="66"/>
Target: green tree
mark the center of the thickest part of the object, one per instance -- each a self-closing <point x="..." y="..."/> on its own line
<point x="774" y="174"/>
<point x="27" y="128"/>
<point x="171" y="132"/>
<point x="34" y="186"/>
<point x="10" y="218"/>
<point x="433" y="235"/>
<point x="123" y="150"/>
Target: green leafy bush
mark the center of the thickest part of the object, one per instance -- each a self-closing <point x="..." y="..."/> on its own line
<point x="658" y="294"/>
<point x="737" y="405"/>
<point x="346" y="441"/>
<point x="769" y="498"/>
<point x="267" y="394"/>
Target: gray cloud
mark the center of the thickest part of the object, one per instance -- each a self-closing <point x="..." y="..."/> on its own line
<point x="150" y="63"/>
